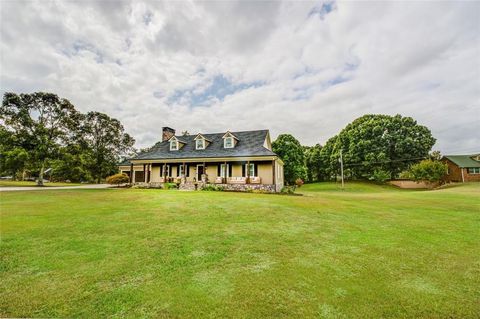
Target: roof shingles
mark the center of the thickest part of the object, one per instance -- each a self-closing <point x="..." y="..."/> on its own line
<point x="250" y="143"/>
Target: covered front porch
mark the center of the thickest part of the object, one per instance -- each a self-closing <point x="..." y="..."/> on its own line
<point x="229" y="174"/>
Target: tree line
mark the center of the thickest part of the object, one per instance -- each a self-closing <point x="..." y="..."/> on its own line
<point x="374" y="147"/>
<point x="41" y="134"/>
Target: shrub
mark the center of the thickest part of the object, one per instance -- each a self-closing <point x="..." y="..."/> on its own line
<point x="118" y="179"/>
<point x="288" y="190"/>
<point x="429" y="171"/>
<point x="406" y="175"/>
<point x="380" y="176"/>
<point x="170" y="186"/>
<point x="299" y="182"/>
<point x="211" y="187"/>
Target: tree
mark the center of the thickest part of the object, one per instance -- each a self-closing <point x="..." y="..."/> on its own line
<point x="72" y="164"/>
<point x="291" y="152"/>
<point x="15" y="160"/>
<point x="429" y="170"/>
<point x="41" y="122"/>
<point x="329" y="155"/>
<point x="435" y="156"/>
<point x="380" y="142"/>
<point x="314" y="163"/>
<point x="105" y="139"/>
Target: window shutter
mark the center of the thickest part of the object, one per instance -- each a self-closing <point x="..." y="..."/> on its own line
<point x="188" y="170"/>
<point x="255" y="170"/>
<point x="161" y="170"/>
<point x="178" y="170"/>
<point x="229" y="170"/>
<point x="219" y="170"/>
<point x="243" y="170"/>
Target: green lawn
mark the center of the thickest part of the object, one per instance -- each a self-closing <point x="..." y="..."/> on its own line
<point x="6" y="183"/>
<point x="363" y="252"/>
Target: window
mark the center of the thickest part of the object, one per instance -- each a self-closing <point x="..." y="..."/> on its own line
<point x="250" y="170"/>
<point x="180" y="170"/>
<point x="228" y="142"/>
<point x="474" y="170"/>
<point x="173" y="145"/>
<point x="166" y="169"/>
<point x="200" y="144"/>
<point x="224" y="170"/>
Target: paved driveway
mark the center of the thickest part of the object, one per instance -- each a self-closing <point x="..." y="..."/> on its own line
<point x="35" y="188"/>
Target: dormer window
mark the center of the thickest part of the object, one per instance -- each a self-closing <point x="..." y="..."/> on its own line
<point x="200" y="144"/>
<point x="176" y="143"/>
<point x="173" y="145"/>
<point x="228" y="142"/>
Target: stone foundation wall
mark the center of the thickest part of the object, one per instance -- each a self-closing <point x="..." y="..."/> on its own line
<point x="188" y="186"/>
<point x="269" y="188"/>
<point x="150" y="185"/>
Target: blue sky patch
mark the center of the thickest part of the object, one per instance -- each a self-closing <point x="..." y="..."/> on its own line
<point x="79" y="46"/>
<point x="321" y="10"/>
<point x="219" y="88"/>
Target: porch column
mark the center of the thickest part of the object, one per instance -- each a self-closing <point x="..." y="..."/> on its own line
<point x="225" y="173"/>
<point x="273" y="172"/>
<point x="184" y="177"/>
<point x="148" y="172"/>
<point x="164" y="172"/>
<point x="144" y="173"/>
<point x="132" y="178"/>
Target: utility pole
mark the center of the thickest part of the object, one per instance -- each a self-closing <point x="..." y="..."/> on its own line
<point x="341" y="167"/>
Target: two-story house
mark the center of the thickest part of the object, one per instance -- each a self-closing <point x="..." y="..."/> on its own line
<point x="233" y="160"/>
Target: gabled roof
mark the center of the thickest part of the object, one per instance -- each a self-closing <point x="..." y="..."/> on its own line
<point x="199" y="135"/>
<point x="230" y="134"/>
<point x="177" y="138"/>
<point x="250" y="143"/>
<point x="463" y="160"/>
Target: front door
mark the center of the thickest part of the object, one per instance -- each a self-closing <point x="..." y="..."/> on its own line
<point x="200" y="171"/>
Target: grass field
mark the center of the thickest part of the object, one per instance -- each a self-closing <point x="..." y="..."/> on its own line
<point x="7" y="183"/>
<point x="365" y="252"/>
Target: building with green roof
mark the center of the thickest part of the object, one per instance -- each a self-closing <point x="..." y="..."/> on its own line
<point x="463" y="168"/>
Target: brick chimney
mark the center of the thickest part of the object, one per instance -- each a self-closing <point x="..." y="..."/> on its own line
<point x="167" y="133"/>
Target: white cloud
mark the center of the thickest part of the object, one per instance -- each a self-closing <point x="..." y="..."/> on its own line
<point x="291" y="67"/>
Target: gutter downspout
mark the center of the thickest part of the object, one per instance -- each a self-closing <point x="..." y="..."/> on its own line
<point x="463" y="177"/>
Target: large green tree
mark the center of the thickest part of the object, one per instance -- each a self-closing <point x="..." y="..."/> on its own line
<point x="72" y="164"/>
<point x="290" y="151"/>
<point x="379" y="142"/>
<point x="314" y="163"/>
<point x="41" y="122"/>
<point x="15" y="161"/>
<point x="105" y="139"/>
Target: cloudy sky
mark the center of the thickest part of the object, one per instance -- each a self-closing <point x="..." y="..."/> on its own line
<point x="306" y="68"/>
